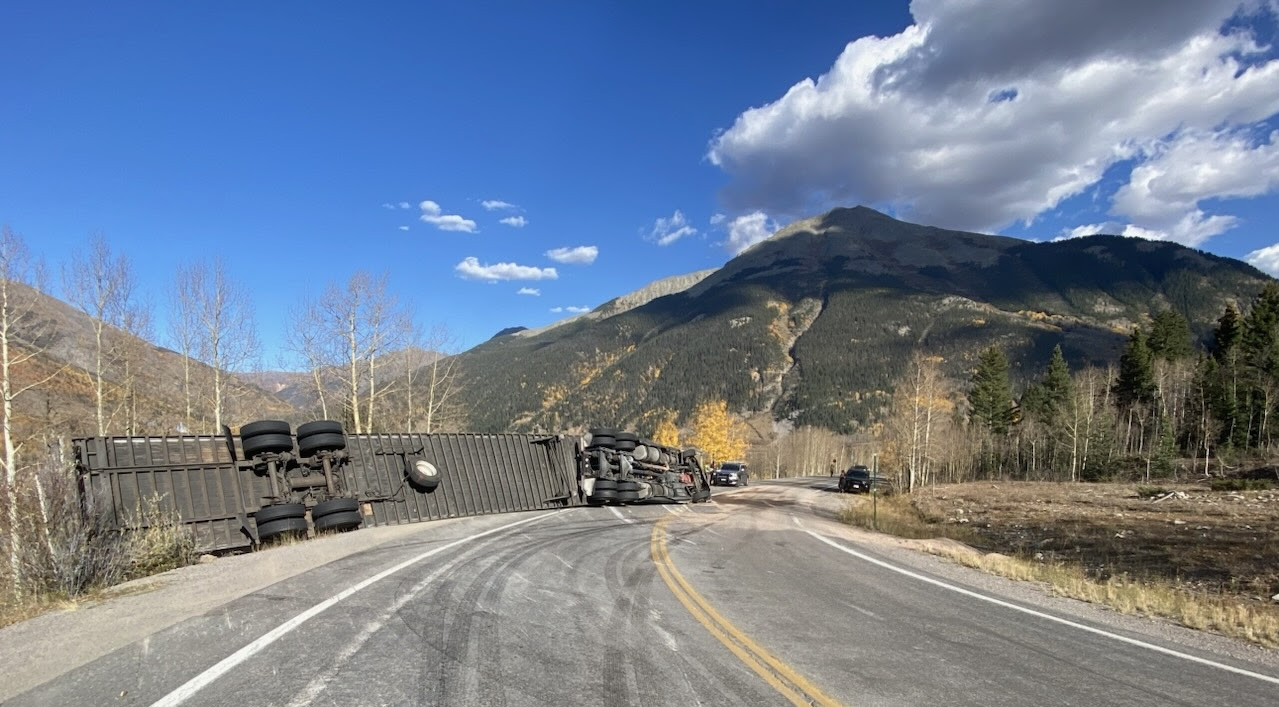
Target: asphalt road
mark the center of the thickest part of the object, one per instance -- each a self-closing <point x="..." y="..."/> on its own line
<point x="758" y="598"/>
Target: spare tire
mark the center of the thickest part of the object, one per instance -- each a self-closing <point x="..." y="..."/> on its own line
<point x="422" y="473"/>
<point x="334" y="505"/>
<point x="320" y="442"/>
<point x="319" y="427"/>
<point x="265" y="427"/>
<point x="268" y="514"/>
<point x="266" y="443"/>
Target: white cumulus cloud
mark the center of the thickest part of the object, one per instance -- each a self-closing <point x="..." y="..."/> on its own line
<point x="515" y="221"/>
<point x="1265" y="259"/>
<point x="531" y="291"/>
<point x="575" y="310"/>
<point x="581" y="255"/>
<point x="434" y="215"/>
<point x="668" y="230"/>
<point x="748" y="229"/>
<point x="405" y="205"/>
<point x="471" y="269"/>
<point x="497" y="205"/>
<point x="984" y="113"/>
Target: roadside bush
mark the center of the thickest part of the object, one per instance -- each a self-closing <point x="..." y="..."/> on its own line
<point x="1152" y="491"/>
<point x="66" y="551"/>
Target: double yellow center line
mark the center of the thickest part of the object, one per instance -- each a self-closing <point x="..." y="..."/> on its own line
<point x="782" y="677"/>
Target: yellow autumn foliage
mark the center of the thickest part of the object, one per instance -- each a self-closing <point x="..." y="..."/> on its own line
<point x="717" y="432"/>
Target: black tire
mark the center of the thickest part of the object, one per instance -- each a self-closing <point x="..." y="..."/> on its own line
<point x="602" y="442"/>
<point x="627" y="437"/>
<point x="268" y="514"/>
<point x="625" y="445"/>
<point x="603" y="496"/>
<point x="265" y="427"/>
<point x="320" y="442"/>
<point x="424" y="480"/>
<point x="627" y="496"/>
<point x="603" y="431"/>
<point x="283" y="526"/>
<point x="347" y="520"/>
<point x="334" y="505"/>
<point x="623" y="486"/>
<point x="265" y="444"/>
<point x="609" y="484"/>
<point x="319" y="427"/>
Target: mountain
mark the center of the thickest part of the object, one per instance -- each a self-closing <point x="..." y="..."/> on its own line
<point x="60" y="342"/>
<point x="815" y="324"/>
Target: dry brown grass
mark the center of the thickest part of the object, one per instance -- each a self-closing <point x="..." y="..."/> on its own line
<point x="924" y="517"/>
<point x="69" y="556"/>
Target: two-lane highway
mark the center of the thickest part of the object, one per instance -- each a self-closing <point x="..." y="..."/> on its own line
<point x="758" y="598"/>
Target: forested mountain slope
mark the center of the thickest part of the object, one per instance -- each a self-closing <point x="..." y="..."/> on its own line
<point x="816" y="323"/>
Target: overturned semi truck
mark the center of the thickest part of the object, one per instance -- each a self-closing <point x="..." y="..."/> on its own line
<point x="236" y="490"/>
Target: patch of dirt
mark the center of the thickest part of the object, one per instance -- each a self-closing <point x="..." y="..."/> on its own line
<point x="1213" y="542"/>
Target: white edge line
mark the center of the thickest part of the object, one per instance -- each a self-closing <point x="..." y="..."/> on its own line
<point x="619" y="514"/>
<point x="1040" y="614"/>
<point x="199" y="682"/>
<point x="668" y="509"/>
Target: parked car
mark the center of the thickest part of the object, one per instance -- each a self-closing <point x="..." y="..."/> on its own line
<point x="858" y="479"/>
<point x="731" y="474"/>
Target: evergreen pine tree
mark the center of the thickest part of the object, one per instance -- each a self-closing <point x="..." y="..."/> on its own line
<point x="1057" y="384"/>
<point x="1136" y="382"/>
<point x="991" y="397"/>
<point x="1170" y="337"/>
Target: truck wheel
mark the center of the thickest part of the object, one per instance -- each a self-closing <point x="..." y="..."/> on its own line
<point x="625" y="441"/>
<point x="279" y="511"/>
<point x="262" y="427"/>
<point x="602" y="431"/>
<point x="601" y="441"/>
<point x="283" y="526"/>
<point x="346" y="520"/>
<point x="266" y="443"/>
<point x="318" y="427"/>
<point x="603" y="496"/>
<point x="628" y="486"/>
<point x="627" y="496"/>
<point x="605" y="484"/>
<point x="334" y="505"/>
<point x="320" y="442"/>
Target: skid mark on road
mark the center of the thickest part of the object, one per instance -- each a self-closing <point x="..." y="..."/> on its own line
<point x="188" y="689"/>
<point x="620" y="515"/>
<point x="1042" y="615"/>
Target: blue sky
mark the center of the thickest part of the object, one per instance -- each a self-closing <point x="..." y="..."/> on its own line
<point x="625" y="143"/>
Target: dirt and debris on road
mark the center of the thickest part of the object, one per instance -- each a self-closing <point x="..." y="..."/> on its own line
<point x="1215" y="542"/>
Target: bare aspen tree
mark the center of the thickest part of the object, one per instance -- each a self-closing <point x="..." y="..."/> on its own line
<point x="184" y="332"/>
<point x="18" y="275"/>
<point x="364" y="323"/>
<point x="95" y="282"/>
<point x="309" y="339"/>
<point x="228" y="336"/>
<point x="441" y="380"/>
